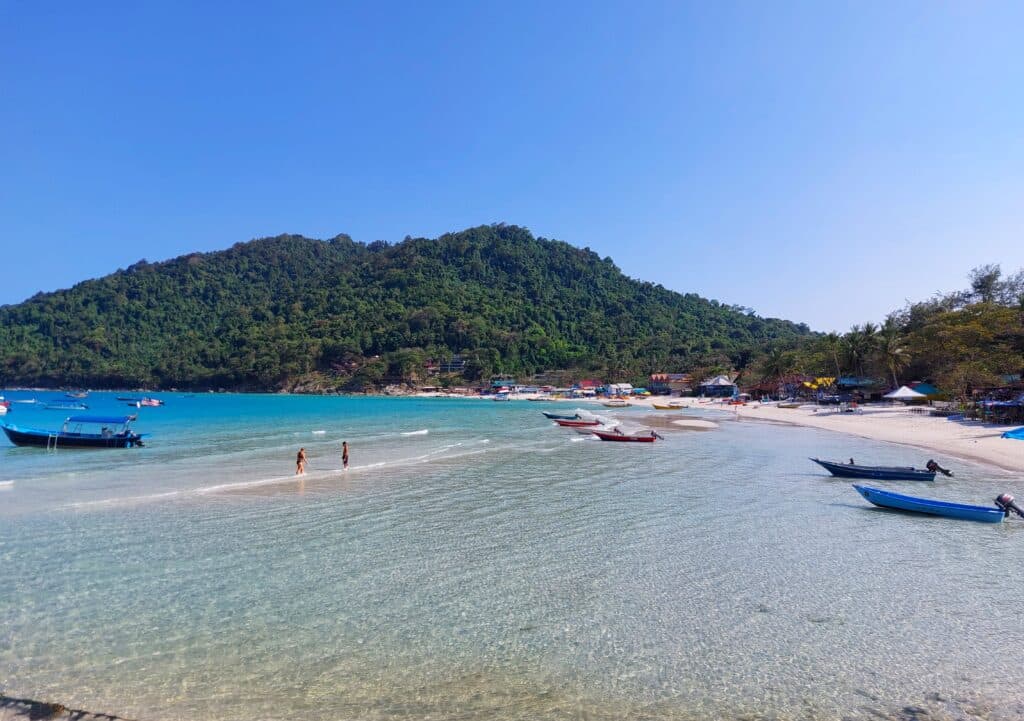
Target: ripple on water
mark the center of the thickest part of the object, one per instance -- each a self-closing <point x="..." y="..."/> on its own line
<point x="711" y="575"/>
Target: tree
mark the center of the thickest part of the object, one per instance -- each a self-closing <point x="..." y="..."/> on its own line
<point x="891" y="349"/>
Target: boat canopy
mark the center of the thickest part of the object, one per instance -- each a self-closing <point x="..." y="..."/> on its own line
<point x="106" y="420"/>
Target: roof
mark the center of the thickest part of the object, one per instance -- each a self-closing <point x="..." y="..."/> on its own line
<point x="904" y="392"/>
<point x="662" y="377"/>
<point x="108" y="420"/>
<point x="718" y="381"/>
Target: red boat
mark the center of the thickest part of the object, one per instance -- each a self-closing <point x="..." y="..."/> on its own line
<point x="617" y="436"/>
<point x="575" y="424"/>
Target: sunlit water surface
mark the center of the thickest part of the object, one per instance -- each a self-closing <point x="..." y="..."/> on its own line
<point x="476" y="562"/>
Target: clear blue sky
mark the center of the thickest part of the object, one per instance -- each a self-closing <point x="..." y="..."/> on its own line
<point x="821" y="162"/>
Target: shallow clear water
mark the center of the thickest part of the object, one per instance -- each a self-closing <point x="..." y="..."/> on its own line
<point x="492" y="567"/>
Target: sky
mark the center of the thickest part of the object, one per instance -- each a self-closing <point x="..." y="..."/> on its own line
<point x="823" y="162"/>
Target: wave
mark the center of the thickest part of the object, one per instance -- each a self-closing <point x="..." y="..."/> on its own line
<point x="421" y="432"/>
<point x="441" y="453"/>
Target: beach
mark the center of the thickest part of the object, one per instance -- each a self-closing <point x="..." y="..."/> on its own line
<point x="890" y="423"/>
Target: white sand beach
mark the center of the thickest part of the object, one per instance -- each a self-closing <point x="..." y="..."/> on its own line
<point x="973" y="440"/>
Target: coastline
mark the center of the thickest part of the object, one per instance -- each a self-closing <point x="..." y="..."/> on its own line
<point x="969" y="440"/>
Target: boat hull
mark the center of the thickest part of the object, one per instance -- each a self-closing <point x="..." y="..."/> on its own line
<point x="43" y="439"/>
<point x="557" y="417"/>
<point x="875" y="473"/>
<point x="622" y="438"/>
<point x="575" y="424"/>
<point x="913" y="504"/>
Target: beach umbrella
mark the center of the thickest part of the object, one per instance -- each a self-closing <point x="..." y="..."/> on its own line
<point x="903" y="393"/>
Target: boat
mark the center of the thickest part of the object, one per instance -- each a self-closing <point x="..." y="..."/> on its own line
<point x="648" y="437"/>
<point x="788" y="404"/>
<point x="616" y="403"/>
<point x="878" y="473"/>
<point x="78" y="395"/>
<point x="983" y="514"/>
<point x="669" y="407"/>
<point x="575" y="424"/>
<point x="65" y="406"/>
<point x="557" y="417"/>
<point x="80" y="432"/>
<point x="150" y="402"/>
<point x="4" y="406"/>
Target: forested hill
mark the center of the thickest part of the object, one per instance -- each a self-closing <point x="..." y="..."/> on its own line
<point x="289" y="312"/>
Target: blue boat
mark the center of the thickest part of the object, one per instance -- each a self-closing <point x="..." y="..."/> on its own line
<point x="877" y="473"/>
<point x="913" y="504"/>
<point x="80" y="432"/>
<point x="556" y="417"/>
<point x="65" y="406"/>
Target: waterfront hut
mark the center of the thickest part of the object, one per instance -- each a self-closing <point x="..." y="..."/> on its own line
<point x="718" y="387"/>
<point x="666" y="384"/>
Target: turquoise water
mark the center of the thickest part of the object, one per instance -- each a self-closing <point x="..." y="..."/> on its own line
<point x="476" y="562"/>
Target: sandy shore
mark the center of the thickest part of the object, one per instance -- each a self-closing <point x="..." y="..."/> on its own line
<point x="972" y="440"/>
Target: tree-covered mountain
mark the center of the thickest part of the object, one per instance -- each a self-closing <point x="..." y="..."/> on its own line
<point x="290" y="312"/>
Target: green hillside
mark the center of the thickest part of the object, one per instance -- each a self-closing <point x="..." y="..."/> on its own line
<point x="287" y="312"/>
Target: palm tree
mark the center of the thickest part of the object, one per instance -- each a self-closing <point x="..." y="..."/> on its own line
<point x="891" y="350"/>
<point x="860" y="344"/>
<point x="777" y="364"/>
<point x="833" y="344"/>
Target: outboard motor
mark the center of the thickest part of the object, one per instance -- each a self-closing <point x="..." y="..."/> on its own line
<point x="936" y="468"/>
<point x="1007" y="503"/>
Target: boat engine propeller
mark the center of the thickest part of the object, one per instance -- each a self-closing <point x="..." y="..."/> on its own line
<point x="1007" y="503"/>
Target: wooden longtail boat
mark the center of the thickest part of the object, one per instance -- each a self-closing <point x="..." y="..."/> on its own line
<point x="557" y="417"/>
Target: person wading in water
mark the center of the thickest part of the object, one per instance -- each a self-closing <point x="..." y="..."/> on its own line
<point x="344" y="454"/>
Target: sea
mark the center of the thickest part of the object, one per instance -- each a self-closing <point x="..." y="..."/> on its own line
<point x="478" y="562"/>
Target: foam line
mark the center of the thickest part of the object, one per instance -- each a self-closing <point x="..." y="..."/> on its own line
<point x="278" y="480"/>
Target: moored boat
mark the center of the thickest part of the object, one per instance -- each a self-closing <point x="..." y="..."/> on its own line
<point x="557" y="417"/>
<point x="878" y="473"/>
<point x="78" y="432"/>
<point x="648" y="437"/>
<point x="913" y="504"/>
<point x="669" y="407"/>
<point x="617" y="403"/>
<point x="575" y="424"/>
<point x="65" y="406"/>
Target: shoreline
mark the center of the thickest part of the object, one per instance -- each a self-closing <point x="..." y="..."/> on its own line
<point x="973" y="441"/>
<point x="968" y="440"/>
